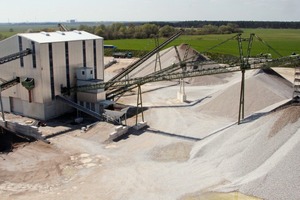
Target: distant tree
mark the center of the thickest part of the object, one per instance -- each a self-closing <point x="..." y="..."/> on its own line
<point x="130" y="31"/>
<point x="209" y="29"/>
<point x="99" y="31"/>
<point x="86" y="28"/>
<point x="139" y="33"/>
<point x="166" y="31"/>
<point x="224" y="29"/>
<point x="11" y="30"/>
<point x="149" y="30"/>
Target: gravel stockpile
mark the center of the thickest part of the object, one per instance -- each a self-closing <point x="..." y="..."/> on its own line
<point x="262" y="88"/>
<point x="168" y="57"/>
<point x="252" y="161"/>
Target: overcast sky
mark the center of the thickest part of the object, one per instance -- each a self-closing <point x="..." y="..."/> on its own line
<point x="149" y="10"/>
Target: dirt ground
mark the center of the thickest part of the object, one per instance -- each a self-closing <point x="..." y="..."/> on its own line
<point x="188" y="151"/>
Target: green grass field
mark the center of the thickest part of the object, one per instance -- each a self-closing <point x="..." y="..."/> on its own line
<point x="10" y="30"/>
<point x="284" y="41"/>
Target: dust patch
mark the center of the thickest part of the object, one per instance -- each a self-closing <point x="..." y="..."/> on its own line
<point x="178" y="152"/>
<point x="289" y="115"/>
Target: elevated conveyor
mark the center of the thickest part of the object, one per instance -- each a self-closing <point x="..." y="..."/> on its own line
<point x="137" y="63"/>
<point x="9" y="84"/>
<point x="15" y="56"/>
<point x="121" y="86"/>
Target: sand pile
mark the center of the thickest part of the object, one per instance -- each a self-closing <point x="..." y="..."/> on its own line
<point x="217" y="79"/>
<point x="167" y="58"/>
<point x="259" y="158"/>
<point x="262" y="88"/>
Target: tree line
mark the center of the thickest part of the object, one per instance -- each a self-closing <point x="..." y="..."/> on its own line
<point x="241" y="24"/>
<point x="150" y="30"/>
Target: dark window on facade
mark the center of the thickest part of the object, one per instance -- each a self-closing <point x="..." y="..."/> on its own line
<point x="95" y="57"/>
<point x="51" y="71"/>
<point x="33" y="55"/>
<point x="93" y="107"/>
<point x="82" y="72"/>
<point x="81" y="103"/>
<point x="67" y="65"/>
<point x="84" y="53"/>
<point x="88" y="105"/>
<point x="91" y="71"/>
<point x="20" y="49"/>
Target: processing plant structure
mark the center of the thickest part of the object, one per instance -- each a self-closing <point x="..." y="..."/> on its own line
<point x="43" y="62"/>
<point x="67" y="68"/>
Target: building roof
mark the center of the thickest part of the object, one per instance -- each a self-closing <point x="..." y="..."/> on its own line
<point x="59" y="36"/>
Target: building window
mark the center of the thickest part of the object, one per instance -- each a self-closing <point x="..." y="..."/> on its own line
<point x="82" y="72"/>
<point x="84" y="53"/>
<point x="81" y="103"/>
<point x="93" y="107"/>
<point x="67" y="66"/>
<point x="33" y="55"/>
<point x="51" y="71"/>
<point x="91" y="71"/>
<point x="95" y="57"/>
<point x="21" y="49"/>
<point x="88" y="105"/>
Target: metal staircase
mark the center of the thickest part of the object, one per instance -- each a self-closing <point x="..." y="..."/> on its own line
<point x="79" y="107"/>
<point x="297" y="84"/>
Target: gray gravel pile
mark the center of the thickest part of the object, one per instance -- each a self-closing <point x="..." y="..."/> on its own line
<point x="261" y="90"/>
<point x="259" y="158"/>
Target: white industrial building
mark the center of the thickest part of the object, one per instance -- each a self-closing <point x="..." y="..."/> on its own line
<point x="56" y="59"/>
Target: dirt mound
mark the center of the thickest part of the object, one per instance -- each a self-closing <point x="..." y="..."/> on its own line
<point x="252" y="161"/>
<point x="179" y="152"/>
<point x="20" y="166"/>
<point x="262" y="88"/>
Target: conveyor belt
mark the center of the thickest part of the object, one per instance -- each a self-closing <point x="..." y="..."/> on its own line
<point x="137" y="63"/>
<point x="9" y="84"/>
<point x="14" y="56"/>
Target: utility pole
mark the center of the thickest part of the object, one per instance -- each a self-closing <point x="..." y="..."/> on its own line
<point x="157" y="59"/>
<point x="244" y="65"/>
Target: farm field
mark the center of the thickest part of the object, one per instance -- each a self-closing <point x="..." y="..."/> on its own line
<point x="284" y="41"/>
